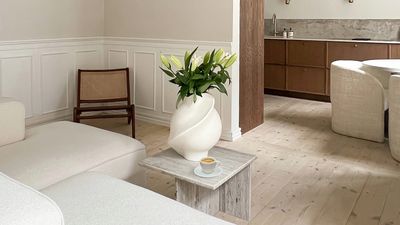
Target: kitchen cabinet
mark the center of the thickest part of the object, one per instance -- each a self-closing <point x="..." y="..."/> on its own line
<point x="306" y="53"/>
<point x="306" y="80"/>
<point x="395" y="51"/>
<point x="356" y="51"/>
<point x="301" y="68"/>
<point x="275" y="77"/>
<point x="275" y="52"/>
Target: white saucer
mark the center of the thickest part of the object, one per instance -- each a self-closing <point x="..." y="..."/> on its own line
<point x="199" y="172"/>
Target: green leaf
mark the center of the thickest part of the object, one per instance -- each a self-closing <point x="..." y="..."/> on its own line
<point x="169" y="73"/>
<point x="206" y="57"/>
<point x="189" y="58"/>
<point x="197" y="76"/>
<point x="187" y="54"/>
<point x="222" y="88"/>
<point x="206" y="86"/>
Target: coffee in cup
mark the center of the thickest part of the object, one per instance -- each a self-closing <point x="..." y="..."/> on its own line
<point x="209" y="164"/>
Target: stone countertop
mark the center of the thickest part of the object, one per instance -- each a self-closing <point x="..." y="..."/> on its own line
<point x="268" y="37"/>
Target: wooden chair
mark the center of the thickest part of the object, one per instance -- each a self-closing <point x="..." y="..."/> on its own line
<point x="104" y="86"/>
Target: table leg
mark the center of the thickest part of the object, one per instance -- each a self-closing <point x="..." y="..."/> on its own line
<point x="235" y="195"/>
<point x="200" y="198"/>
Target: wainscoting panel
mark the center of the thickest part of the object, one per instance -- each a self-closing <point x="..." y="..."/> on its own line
<point x="42" y="74"/>
<point x="118" y="58"/>
<point x="144" y="68"/>
<point x="16" y="80"/>
<point x="89" y="59"/>
<point x="56" y="82"/>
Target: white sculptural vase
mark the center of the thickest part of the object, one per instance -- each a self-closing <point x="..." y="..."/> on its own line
<point x="195" y="127"/>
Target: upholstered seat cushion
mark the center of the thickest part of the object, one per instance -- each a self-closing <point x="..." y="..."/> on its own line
<point x="95" y="199"/>
<point x="56" y="151"/>
<point x="22" y="205"/>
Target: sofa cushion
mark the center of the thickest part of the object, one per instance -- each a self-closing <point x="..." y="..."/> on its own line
<point x="12" y="121"/>
<point x="56" y="151"/>
<point x="22" y="205"/>
<point x="95" y="199"/>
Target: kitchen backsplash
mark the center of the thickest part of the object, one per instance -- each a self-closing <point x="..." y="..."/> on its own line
<point x="338" y="28"/>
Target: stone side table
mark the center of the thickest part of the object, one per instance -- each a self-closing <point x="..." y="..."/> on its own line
<point x="230" y="192"/>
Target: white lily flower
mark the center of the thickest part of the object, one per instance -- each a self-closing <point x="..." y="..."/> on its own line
<point x="196" y="62"/>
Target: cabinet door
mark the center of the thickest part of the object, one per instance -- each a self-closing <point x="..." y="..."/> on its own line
<point x="275" y="77"/>
<point x="306" y="80"/>
<point x="307" y="53"/>
<point x="275" y="52"/>
<point x="356" y="51"/>
<point x="395" y="51"/>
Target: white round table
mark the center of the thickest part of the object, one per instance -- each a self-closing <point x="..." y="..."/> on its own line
<point x="389" y="65"/>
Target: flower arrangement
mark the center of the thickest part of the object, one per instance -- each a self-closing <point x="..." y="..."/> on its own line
<point x="199" y="74"/>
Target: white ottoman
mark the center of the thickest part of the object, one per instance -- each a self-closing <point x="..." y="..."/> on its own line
<point x="94" y="199"/>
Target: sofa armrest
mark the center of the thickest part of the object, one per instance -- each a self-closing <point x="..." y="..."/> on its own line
<point x="23" y="205"/>
<point x="12" y="121"/>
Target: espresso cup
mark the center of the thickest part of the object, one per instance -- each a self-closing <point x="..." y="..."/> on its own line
<point x="209" y="164"/>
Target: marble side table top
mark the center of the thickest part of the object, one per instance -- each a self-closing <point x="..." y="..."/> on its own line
<point x="171" y="163"/>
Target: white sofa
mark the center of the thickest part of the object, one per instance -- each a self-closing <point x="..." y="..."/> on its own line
<point x="67" y="173"/>
<point x="93" y="199"/>
<point x="47" y="154"/>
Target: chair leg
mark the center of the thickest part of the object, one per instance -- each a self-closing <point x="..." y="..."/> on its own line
<point x="75" y="116"/>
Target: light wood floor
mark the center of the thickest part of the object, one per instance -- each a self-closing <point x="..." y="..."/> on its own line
<point x="305" y="173"/>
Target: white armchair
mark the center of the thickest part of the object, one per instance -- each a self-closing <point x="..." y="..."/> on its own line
<point x="358" y="102"/>
<point x="394" y="116"/>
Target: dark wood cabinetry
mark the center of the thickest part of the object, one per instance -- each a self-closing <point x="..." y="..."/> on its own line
<point x="356" y="51"/>
<point x="301" y="69"/>
<point x="306" y="53"/>
<point x="395" y="51"/>
<point x="275" y="77"/>
<point x="275" y="52"/>
<point x="306" y="80"/>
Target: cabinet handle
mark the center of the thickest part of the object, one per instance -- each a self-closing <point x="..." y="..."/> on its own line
<point x="355" y="45"/>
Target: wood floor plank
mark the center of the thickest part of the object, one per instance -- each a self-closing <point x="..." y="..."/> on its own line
<point x="341" y="201"/>
<point x="370" y="205"/>
<point x="283" y="205"/>
<point x="391" y="210"/>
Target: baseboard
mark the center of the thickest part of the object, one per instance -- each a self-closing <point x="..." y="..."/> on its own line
<point x="231" y="135"/>
<point x="292" y="94"/>
<point x="153" y="119"/>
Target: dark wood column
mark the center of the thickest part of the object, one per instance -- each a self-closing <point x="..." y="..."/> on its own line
<point x="251" y="64"/>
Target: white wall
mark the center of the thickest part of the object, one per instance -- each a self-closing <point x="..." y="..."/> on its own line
<point x="207" y="20"/>
<point x="333" y="9"/>
<point x="43" y="19"/>
<point x="42" y="73"/>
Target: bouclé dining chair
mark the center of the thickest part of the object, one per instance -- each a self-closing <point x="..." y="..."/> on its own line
<point x="358" y="102"/>
<point x="394" y="116"/>
<point x="108" y="91"/>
